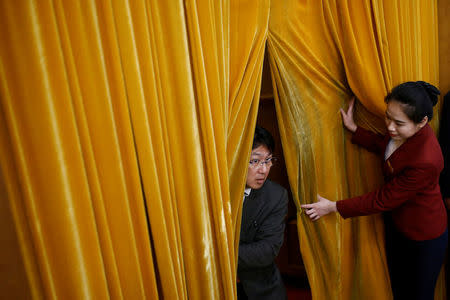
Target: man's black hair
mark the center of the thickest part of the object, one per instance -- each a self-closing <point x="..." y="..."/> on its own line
<point x="263" y="137"/>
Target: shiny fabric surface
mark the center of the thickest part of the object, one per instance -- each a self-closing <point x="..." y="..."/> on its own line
<point x="321" y="53"/>
<point x="126" y="126"/>
<point x="125" y="131"/>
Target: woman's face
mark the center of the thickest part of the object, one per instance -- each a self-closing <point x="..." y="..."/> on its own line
<point x="399" y="126"/>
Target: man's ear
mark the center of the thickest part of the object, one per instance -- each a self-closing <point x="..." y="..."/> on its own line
<point x="423" y="122"/>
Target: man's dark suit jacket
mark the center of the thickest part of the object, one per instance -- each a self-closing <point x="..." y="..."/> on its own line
<point x="262" y="229"/>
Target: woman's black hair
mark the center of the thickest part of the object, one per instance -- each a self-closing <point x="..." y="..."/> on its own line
<point x="263" y="137"/>
<point x="419" y="98"/>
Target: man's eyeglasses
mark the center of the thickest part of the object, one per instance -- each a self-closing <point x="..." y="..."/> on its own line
<point x="256" y="163"/>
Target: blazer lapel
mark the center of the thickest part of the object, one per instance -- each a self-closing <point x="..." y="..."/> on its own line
<point x="251" y="207"/>
<point x="405" y="152"/>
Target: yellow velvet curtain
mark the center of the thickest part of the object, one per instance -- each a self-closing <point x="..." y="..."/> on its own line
<point x="248" y="35"/>
<point x="321" y="53"/>
<point x="125" y="127"/>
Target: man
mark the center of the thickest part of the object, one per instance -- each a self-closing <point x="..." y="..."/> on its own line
<point x="262" y="226"/>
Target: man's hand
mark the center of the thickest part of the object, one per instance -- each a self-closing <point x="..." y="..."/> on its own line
<point x="321" y="208"/>
<point x="347" y="117"/>
<point x="447" y="203"/>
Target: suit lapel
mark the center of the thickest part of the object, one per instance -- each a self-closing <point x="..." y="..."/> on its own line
<point x="252" y="206"/>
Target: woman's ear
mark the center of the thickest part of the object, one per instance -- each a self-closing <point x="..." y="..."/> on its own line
<point x="423" y="122"/>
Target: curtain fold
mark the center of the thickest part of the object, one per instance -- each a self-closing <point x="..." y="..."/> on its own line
<point x="125" y="132"/>
<point x="249" y="21"/>
<point x="77" y="201"/>
<point x="321" y="53"/>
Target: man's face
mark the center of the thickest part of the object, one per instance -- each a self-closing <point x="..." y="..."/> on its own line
<point x="257" y="173"/>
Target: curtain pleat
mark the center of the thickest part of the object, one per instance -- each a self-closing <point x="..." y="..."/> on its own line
<point x="77" y="191"/>
<point x="125" y="132"/>
<point x="249" y="22"/>
<point x="322" y="52"/>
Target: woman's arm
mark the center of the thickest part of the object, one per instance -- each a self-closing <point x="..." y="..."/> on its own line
<point x="391" y="195"/>
<point x="362" y="137"/>
<point x="387" y="197"/>
<point x="369" y="140"/>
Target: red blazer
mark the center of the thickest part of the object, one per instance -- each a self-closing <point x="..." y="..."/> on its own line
<point x="411" y="190"/>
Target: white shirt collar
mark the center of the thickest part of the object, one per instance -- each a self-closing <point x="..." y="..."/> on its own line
<point x="246" y="193"/>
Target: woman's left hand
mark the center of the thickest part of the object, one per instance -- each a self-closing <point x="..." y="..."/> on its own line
<point x="319" y="209"/>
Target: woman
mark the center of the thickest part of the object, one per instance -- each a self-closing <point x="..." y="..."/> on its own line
<point x="416" y="222"/>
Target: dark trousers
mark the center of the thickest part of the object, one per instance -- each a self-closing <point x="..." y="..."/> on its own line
<point x="414" y="266"/>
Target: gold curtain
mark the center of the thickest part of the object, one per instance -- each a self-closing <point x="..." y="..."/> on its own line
<point x="125" y="127"/>
<point x="248" y="34"/>
<point x="321" y="53"/>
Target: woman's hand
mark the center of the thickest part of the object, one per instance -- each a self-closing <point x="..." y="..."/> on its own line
<point x="319" y="209"/>
<point x="347" y="117"/>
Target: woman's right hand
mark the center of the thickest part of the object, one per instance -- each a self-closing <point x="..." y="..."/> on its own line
<point x="347" y="117"/>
